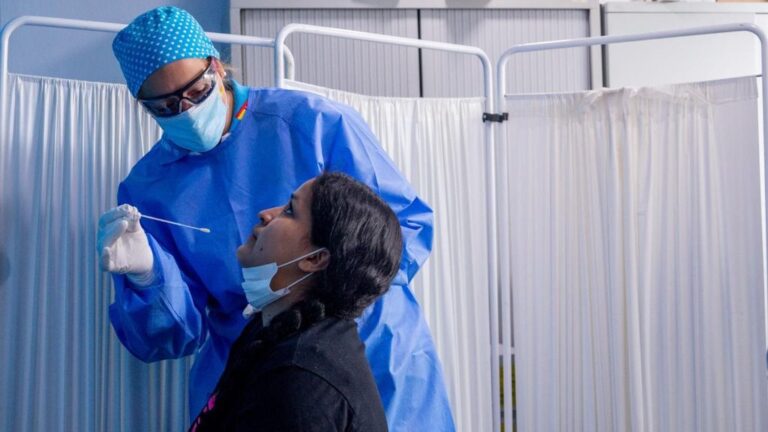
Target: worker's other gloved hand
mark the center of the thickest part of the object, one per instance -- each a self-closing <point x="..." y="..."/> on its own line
<point x="123" y="245"/>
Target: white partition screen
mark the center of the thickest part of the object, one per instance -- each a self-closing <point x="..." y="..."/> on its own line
<point x="634" y="258"/>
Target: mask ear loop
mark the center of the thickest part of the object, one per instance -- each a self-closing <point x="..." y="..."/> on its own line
<point x="287" y="289"/>
<point x="249" y="310"/>
<point x="318" y="250"/>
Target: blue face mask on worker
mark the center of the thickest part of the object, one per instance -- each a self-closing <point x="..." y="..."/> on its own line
<point x="257" y="282"/>
<point x="199" y="128"/>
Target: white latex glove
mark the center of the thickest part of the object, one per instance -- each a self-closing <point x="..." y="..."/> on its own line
<point x="123" y="245"/>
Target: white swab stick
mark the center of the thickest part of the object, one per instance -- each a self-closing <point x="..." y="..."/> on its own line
<point x="205" y="230"/>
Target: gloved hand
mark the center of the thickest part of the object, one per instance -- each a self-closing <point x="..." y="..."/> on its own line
<point x="123" y="245"/>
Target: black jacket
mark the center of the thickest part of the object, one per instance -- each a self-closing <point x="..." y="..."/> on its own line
<point x="316" y="380"/>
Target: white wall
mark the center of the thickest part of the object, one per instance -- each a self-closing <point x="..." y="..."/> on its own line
<point x="88" y="55"/>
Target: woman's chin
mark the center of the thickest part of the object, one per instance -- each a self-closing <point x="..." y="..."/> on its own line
<point x="242" y="255"/>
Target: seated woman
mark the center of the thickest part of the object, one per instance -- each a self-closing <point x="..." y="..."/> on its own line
<point x="299" y="364"/>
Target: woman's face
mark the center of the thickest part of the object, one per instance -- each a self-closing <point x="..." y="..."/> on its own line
<point x="282" y="235"/>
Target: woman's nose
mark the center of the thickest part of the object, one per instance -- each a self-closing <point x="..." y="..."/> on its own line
<point x="266" y="216"/>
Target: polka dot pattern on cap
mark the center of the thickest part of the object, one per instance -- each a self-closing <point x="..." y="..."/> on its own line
<point x="156" y="38"/>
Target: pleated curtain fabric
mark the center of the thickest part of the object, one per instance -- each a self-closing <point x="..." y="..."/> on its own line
<point x="61" y="365"/>
<point x="439" y="145"/>
<point x="628" y="240"/>
<point x="71" y="144"/>
<point x="634" y="258"/>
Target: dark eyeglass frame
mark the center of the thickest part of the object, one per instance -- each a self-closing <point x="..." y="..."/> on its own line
<point x="169" y="104"/>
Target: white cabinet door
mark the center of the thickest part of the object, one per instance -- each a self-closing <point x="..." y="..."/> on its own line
<point x="668" y="61"/>
<point x="361" y="67"/>
<point x="495" y="30"/>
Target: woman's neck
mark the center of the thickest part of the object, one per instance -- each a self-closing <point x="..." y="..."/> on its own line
<point x="274" y="309"/>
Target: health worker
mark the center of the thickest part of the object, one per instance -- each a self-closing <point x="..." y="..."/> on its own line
<point x="228" y="151"/>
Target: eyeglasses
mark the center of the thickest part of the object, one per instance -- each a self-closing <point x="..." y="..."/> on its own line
<point x="196" y="91"/>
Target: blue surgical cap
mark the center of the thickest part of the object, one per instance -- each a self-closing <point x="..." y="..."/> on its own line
<point x="156" y="38"/>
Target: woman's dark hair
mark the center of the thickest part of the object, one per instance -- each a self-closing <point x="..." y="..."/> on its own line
<point x="363" y="237"/>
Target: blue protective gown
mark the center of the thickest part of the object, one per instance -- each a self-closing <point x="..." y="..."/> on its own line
<point x="194" y="306"/>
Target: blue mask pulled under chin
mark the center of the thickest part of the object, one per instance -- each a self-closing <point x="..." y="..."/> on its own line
<point x="199" y="128"/>
<point x="257" y="280"/>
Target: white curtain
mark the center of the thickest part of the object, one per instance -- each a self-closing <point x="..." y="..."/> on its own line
<point x="61" y="366"/>
<point x="629" y="231"/>
<point x="439" y="145"/>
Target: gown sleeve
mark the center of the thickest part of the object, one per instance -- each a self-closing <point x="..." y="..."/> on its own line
<point x="160" y="321"/>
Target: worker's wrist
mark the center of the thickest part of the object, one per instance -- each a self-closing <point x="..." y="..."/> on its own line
<point x="141" y="280"/>
<point x="144" y="279"/>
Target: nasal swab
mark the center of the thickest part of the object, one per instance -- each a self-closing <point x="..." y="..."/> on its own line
<point x="205" y="230"/>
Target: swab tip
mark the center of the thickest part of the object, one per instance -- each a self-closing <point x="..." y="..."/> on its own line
<point x="205" y="230"/>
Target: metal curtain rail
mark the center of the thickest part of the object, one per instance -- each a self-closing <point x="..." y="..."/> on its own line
<point x="39" y="21"/>
<point x="489" y="139"/>
<point x="283" y="34"/>
<point x="606" y="40"/>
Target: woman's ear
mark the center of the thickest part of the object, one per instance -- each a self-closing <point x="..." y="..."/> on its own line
<point x="219" y="68"/>
<point x="316" y="262"/>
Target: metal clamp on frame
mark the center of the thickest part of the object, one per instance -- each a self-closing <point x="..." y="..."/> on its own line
<point x="491" y="117"/>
